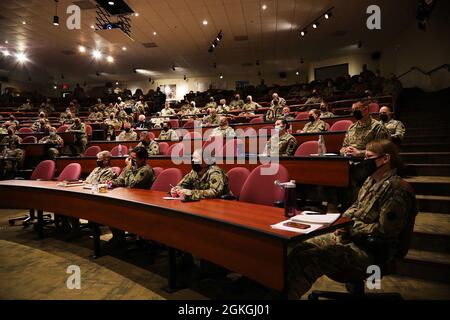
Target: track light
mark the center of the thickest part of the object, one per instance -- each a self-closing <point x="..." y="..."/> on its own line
<point x="173" y="68"/>
<point x="328" y="15"/>
<point x="149" y="79"/>
<point x="303" y="33"/>
<point x="21" y="57"/>
<point x="81" y="49"/>
<point x="359" y="44"/>
<point x="221" y="76"/>
<point x="55" y="17"/>
<point x="96" y="54"/>
<point x="315" y="25"/>
<point x="302" y="61"/>
<point x="110" y="59"/>
<point x="257" y="63"/>
<point x="216" y="41"/>
<point x="215" y="65"/>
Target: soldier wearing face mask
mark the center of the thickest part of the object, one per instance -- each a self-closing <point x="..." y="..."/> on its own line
<point x="66" y="117"/>
<point x="79" y="130"/>
<point x="237" y="103"/>
<point x="383" y="210"/>
<point x="55" y="141"/>
<point x="149" y="144"/>
<point x="223" y="129"/>
<point x="211" y="103"/>
<point x="314" y="124"/>
<point x="286" y="114"/>
<point x="250" y="107"/>
<point x="315" y="98"/>
<point x="363" y="131"/>
<point x="286" y="145"/>
<point x="14" y="121"/>
<point x="167" y="110"/>
<point x="111" y="124"/>
<point x="324" y="111"/>
<point x="12" y="142"/>
<point x="103" y="172"/>
<point x="204" y="181"/>
<point x="95" y="115"/>
<point x="167" y="133"/>
<point x="276" y="108"/>
<point x="212" y="119"/>
<point x="396" y="128"/>
<point x="128" y="134"/>
<point x="222" y="107"/>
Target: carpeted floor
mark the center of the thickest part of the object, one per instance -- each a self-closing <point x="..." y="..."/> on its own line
<point x="37" y="269"/>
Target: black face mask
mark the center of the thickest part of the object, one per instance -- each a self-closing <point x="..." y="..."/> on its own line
<point x="357" y="114"/>
<point x="384" y="117"/>
<point x="127" y="130"/>
<point x="165" y="128"/>
<point x="323" y="109"/>
<point x="311" y="119"/>
<point x="364" y="169"/>
<point x="111" y="118"/>
<point x="133" y="162"/>
<point x="145" y="143"/>
<point x="100" y="163"/>
<point x="197" y="167"/>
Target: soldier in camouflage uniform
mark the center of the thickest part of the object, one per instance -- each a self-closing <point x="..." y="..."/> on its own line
<point x="12" y="142"/>
<point x="287" y="144"/>
<point x="55" y="141"/>
<point x="149" y="144"/>
<point x="66" y="117"/>
<point x="109" y="109"/>
<point x="237" y="103"/>
<point x="360" y="133"/>
<point x="121" y="114"/>
<point x="79" y="130"/>
<point x="111" y="124"/>
<point x="103" y="173"/>
<point x="314" y="124"/>
<point x="184" y="108"/>
<point x="286" y="114"/>
<point x="277" y="101"/>
<point x="167" y="110"/>
<point x="212" y="119"/>
<point x="274" y="112"/>
<point x="128" y="134"/>
<point x="315" y="98"/>
<point x="204" y="181"/>
<point x="396" y="128"/>
<point x="250" y="107"/>
<point x="211" y="103"/>
<point x="95" y="115"/>
<point x="27" y="106"/>
<point x="14" y="121"/>
<point x="222" y="107"/>
<point x="324" y="112"/>
<point x="223" y="130"/>
<point x="167" y="133"/>
<point x="384" y="208"/>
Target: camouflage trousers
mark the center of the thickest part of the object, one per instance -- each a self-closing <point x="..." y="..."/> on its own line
<point x="322" y="255"/>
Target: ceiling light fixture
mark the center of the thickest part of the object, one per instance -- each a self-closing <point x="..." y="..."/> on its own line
<point x="82" y="49"/>
<point x="55" y="17"/>
<point x="55" y="87"/>
<point x="136" y="14"/>
<point x="264" y="7"/>
<point x="297" y="73"/>
<point x="24" y="22"/>
<point x="92" y="26"/>
<point x="221" y="76"/>
<point x="111" y="3"/>
<point x="117" y="83"/>
<point x="154" y="33"/>
<point x="315" y="23"/>
<point x="110" y="59"/>
<point x="173" y="67"/>
<point x="303" y="33"/>
<point x="328" y="15"/>
<point x="185" y="77"/>
<point x="6" y="41"/>
<point x="205" y="22"/>
<point x="124" y="48"/>
<point x="216" y="41"/>
<point x="96" y="54"/>
<point x="21" y="57"/>
<point x="6" y="53"/>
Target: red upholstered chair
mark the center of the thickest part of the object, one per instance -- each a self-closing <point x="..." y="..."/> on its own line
<point x="193" y="135"/>
<point x="157" y="170"/>
<point x="259" y="188"/>
<point x="257" y="120"/>
<point x="116" y="170"/>
<point x="269" y="129"/>
<point x="374" y="107"/>
<point x="302" y="115"/>
<point x="163" y="147"/>
<point x="62" y="128"/>
<point x="151" y="135"/>
<point x="115" y="151"/>
<point x="167" y="178"/>
<point x="250" y="132"/>
<point x="174" y="147"/>
<point x="92" y="151"/>
<point x="44" y="171"/>
<point x="307" y="148"/>
<point x="175" y="123"/>
<point x="25" y="130"/>
<point x="341" y="125"/>
<point x="236" y="179"/>
<point x="189" y="125"/>
<point x="235" y="148"/>
<point x="88" y="131"/>
<point x="29" y="139"/>
<point x="71" y="172"/>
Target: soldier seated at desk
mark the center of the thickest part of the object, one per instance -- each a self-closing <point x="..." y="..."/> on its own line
<point x="55" y="141"/>
<point x="382" y="211"/>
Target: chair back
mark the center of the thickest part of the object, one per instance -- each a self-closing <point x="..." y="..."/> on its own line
<point x="88" y="130"/>
<point x="232" y="148"/>
<point x="45" y="170"/>
<point x="260" y="188"/>
<point x="157" y="171"/>
<point x="62" y="128"/>
<point x="25" y="130"/>
<point x="341" y="125"/>
<point x="374" y="107"/>
<point x="115" y="151"/>
<point x="174" y="148"/>
<point x="304" y="115"/>
<point x="163" y="147"/>
<point x="307" y="148"/>
<point x="71" y="172"/>
<point x="236" y="179"/>
<point x="257" y="120"/>
<point x="92" y="151"/>
<point x="166" y="179"/>
<point x="174" y="123"/>
<point x="29" y="139"/>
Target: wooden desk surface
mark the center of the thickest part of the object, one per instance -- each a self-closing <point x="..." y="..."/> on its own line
<point x="327" y="171"/>
<point x="235" y="235"/>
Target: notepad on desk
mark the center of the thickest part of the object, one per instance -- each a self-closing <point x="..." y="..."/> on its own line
<point x="306" y="223"/>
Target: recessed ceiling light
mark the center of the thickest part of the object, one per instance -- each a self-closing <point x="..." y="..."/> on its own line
<point x="264" y="7"/>
<point x="124" y="48"/>
<point x="81" y="49"/>
<point x="21" y="57"/>
<point x="6" y="53"/>
<point x="6" y="41"/>
<point x="221" y="76"/>
<point x="55" y="87"/>
<point x="96" y="54"/>
<point x="117" y="83"/>
<point x="92" y="26"/>
<point x="136" y="14"/>
<point x="205" y="22"/>
<point x="110" y="59"/>
<point x="24" y="22"/>
<point x="154" y="33"/>
<point x="297" y="73"/>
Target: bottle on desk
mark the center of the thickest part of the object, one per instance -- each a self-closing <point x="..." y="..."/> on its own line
<point x="119" y="148"/>
<point x="322" y="149"/>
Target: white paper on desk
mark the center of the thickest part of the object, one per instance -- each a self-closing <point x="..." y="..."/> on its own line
<point x="171" y="198"/>
<point x="328" y="218"/>
<point x="280" y="226"/>
<point x="325" y="154"/>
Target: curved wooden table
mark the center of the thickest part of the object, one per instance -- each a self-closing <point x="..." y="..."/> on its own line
<point x="235" y="235"/>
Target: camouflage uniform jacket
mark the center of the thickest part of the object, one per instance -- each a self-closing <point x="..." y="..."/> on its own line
<point x="227" y="132"/>
<point x="137" y="178"/>
<point x="358" y="135"/>
<point x="167" y="112"/>
<point x="152" y="148"/>
<point x="12" y="141"/>
<point x="211" y="120"/>
<point x="281" y="102"/>
<point x="236" y="104"/>
<point x="222" y="108"/>
<point x="100" y="175"/>
<point x="212" y="184"/>
<point x="326" y="114"/>
<point x="274" y="112"/>
<point x="396" y="128"/>
<point x="56" y="139"/>
<point x="287" y="145"/>
<point x="168" y="135"/>
<point x="82" y="131"/>
<point x="314" y="127"/>
<point x="95" y="116"/>
<point x="250" y="107"/>
<point x="127" y="136"/>
<point x="211" y="105"/>
<point x="382" y="209"/>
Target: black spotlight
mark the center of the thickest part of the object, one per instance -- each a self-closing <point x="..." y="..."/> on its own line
<point x="173" y="68"/>
<point x="215" y="65"/>
<point x="184" y="77"/>
<point x="55" y="20"/>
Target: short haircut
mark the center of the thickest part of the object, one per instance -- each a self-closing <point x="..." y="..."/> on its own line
<point x="382" y="147"/>
<point x="141" y="152"/>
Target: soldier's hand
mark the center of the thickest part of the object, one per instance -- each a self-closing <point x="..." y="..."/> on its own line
<point x="352" y="151"/>
<point x="128" y="162"/>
